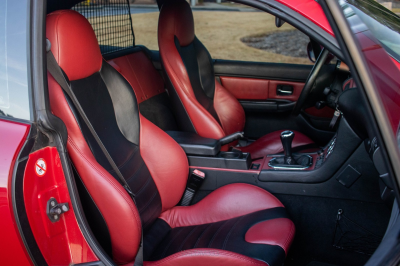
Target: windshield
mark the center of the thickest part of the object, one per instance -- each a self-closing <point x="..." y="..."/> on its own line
<point x="381" y="22"/>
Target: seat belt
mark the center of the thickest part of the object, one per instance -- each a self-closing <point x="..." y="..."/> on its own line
<point x="56" y="72"/>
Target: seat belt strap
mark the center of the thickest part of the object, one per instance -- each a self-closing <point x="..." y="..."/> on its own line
<point x="56" y="72"/>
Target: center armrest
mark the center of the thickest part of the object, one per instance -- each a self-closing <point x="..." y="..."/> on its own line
<point x="194" y="144"/>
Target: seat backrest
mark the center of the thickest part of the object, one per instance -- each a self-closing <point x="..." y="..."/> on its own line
<point x="202" y="105"/>
<point x="153" y="100"/>
<point x="143" y="152"/>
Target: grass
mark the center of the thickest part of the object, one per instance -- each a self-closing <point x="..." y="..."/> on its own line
<point x="221" y="32"/>
<point x="396" y="10"/>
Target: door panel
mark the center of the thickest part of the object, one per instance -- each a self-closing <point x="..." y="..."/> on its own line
<point x="246" y="88"/>
<point x="268" y="93"/>
<point x="277" y="90"/>
<point x="261" y="89"/>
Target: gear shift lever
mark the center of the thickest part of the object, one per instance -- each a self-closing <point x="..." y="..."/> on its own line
<point x="287" y="138"/>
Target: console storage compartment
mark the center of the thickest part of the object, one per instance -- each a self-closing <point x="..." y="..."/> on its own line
<point x="193" y="144"/>
<point x="205" y="152"/>
<point x="228" y="160"/>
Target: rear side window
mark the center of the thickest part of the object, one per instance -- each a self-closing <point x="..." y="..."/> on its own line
<point x="111" y="22"/>
<point x="14" y="91"/>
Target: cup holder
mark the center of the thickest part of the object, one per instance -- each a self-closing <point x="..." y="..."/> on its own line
<point x="231" y="155"/>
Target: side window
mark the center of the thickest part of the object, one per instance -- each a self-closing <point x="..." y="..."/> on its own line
<point x="14" y="91"/>
<point x="233" y="31"/>
<point x="145" y="22"/>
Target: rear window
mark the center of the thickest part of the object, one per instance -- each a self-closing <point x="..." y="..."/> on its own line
<point x="111" y="22"/>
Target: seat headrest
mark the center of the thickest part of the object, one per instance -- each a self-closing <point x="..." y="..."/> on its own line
<point x="73" y="44"/>
<point x="176" y="19"/>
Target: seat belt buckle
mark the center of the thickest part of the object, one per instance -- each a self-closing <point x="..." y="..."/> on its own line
<point x="194" y="183"/>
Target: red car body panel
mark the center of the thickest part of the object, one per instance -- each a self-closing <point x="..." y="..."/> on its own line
<point x="13" y="136"/>
<point x="61" y="242"/>
<point x="310" y="9"/>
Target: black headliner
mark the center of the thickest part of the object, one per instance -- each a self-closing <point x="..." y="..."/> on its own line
<point x="53" y="5"/>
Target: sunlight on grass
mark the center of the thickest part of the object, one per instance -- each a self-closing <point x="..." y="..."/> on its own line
<point x="221" y="32"/>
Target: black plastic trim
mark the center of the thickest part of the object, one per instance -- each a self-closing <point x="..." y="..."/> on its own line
<point x="347" y="142"/>
<point x="262" y="70"/>
<point x="93" y="263"/>
<point x="226" y="160"/>
<point x="267" y="106"/>
<point x="194" y="144"/>
<point x="356" y="75"/>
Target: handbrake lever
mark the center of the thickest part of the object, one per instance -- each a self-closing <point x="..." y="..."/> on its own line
<point x="231" y="137"/>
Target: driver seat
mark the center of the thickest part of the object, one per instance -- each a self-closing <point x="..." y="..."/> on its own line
<point x="201" y="104"/>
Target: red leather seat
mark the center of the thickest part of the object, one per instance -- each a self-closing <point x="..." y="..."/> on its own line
<point x="153" y="100"/>
<point x="238" y="224"/>
<point x="202" y="104"/>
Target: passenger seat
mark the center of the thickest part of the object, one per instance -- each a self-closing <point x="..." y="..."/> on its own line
<point x="237" y="224"/>
<point x="154" y="103"/>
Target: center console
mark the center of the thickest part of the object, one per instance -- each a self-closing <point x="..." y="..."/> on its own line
<point x="310" y="166"/>
<point x="205" y="152"/>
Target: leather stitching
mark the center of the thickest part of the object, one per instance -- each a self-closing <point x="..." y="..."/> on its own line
<point x="136" y="172"/>
<point x="171" y="241"/>
<point x="198" y="240"/>
<point x="149" y="202"/>
<point x="187" y="237"/>
<point x="216" y="233"/>
<point x="230" y="231"/>
<point x="144" y="186"/>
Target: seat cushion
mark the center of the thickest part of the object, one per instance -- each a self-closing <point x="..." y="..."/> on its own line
<point x="206" y="256"/>
<point x="240" y="219"/>
<point x="271" y="144"/>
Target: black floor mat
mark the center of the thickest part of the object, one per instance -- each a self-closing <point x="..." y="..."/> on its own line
<point x="318" y="263"/>
<point x="315" y="220"/>
<point x="352" y="236"/>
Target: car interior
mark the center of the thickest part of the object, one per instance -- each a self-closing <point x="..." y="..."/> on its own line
<point x="222" y="161"/>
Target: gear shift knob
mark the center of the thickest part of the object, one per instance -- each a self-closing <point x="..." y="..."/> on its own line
<point x="287" y="138"/>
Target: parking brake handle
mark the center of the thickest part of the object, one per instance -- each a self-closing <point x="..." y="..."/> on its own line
<point x="231" y="137"/>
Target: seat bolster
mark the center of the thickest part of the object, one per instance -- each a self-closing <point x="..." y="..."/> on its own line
<point x="206" y="256"/>
<point x="225" y="203"/>
<point x="279" y="232"/>
<point x="271" y="144"/>
<point x="117" y="208"/>
<point x="229" y="111"/>
<point x="166" y="161"/>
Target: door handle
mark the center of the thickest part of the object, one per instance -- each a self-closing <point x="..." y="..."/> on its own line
<point x="284" y="90"/>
